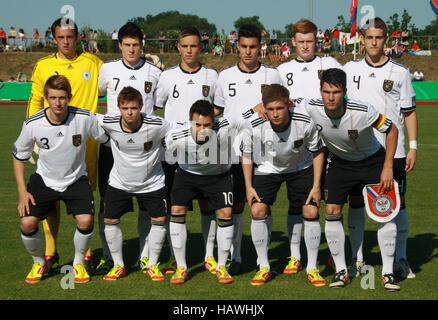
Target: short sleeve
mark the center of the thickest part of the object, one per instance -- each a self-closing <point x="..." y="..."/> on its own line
<point x="23" y="146"/>
<point x="407" y="94"/>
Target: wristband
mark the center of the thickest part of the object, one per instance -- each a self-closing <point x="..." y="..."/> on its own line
<point x="413" y="144"/>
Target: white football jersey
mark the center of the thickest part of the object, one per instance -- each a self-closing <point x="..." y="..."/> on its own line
<point x="211" y="158"/>
<point x="350" y="137"/>
<point x="238" y="90"/>
<point x="62" y="147"/>
<point x="137" y="166"/>
<point x="388" y="88"/>
<point x="287" y="151"/>
<point x="115" y="75"/>
<point x="177" y="90"/>
<point x="302" y="78"/>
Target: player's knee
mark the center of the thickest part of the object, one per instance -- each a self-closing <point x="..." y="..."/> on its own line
<point x="178" y="210"/>
<point x="259" y="211"/>
<point x="310" y="212"/>
<point x="224" y="213"/>
<point x="29" y="226"/>
<point x="111" y="221"/>
<point x="84" y="221"/>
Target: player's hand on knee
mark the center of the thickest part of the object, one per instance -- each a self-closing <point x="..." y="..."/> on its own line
<point x="315" y="195"/>
<point x="252" y="196"/>
<point x="23" y="203"/>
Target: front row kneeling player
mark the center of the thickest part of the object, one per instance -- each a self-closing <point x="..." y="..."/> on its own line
<point x="60" y="131"/>
<point x="346" y="127"/>
<point x="291" y="145"/>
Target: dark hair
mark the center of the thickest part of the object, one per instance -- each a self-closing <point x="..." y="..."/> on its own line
<point x="129" y="94"/>
<point x="130" y="29"/>
<point x="64" y="22"/>
<point x="334" y="76"/>
<point x="250" y="31"/>
<point x="57" y="82"/>
<point x="189" y="31"/>
<point x="375" y="23"/>
<point x="203" y="108"/>
<point x="274" y="92"/>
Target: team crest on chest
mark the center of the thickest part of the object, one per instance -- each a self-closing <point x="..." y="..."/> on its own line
<point x="147" y="146"/>
<point x="147" y="86"/>
<point x="387" y="85"/>
<point x="205" y="90"/>
<point x="353" y="134"/>
<point x="77" y="140"/>
<point x="298" y="143"/>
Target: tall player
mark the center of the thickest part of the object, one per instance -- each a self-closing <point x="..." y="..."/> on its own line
<point x="292" y="154"/>
<point x="386" y="84"/>
<point x="238" y="89"/>
<point x="82" y="71"/>
<point x="130" y="70"/>
<point x="60" y="131"/>
<point x="302" y="77"/>
<point x="178" y="88"/>
<point x="357" y="159"/>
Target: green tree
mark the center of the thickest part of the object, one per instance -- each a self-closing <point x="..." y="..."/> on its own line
<point x="406" y="19"/>
<point x="343" y="25"/>
<point x="249" y="20"/>
<point x="288" y="30"/>
<point x="393" y="23"/>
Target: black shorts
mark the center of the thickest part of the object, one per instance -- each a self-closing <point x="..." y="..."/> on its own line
<point x="400" y="174"/>
<point x="239" y="189"/>
<point x="216" y="189"/>
<point x="346" y="178"/>
<point x="298" y="186"/>
<point x="78" y="197"/>
<point x="119" y="202"/>
<point x="105" y="164"/>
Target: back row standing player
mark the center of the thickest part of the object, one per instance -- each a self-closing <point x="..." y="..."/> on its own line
<point x="178" y="88"/>
<point x="302" y="77"/>
<point x="134" y="71"/>
<point x="82" y="71"/>
<point x="386" y="84"/>
<point x="238" y="89"/>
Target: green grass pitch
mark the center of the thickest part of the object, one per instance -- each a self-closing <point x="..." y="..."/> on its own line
<point x="422" y="244"/>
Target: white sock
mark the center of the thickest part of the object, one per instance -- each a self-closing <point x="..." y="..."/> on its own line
<point x="208" y="225"/>
<point x="402" y="223"/>
<point x="156" y="237"/>
<point x="105" y="249"/>
<point x="259" y="235"/>
<point x="312" y="239"/>
<point x="34" y="245"/>
<point x="386" y="236"/>
<point x="81" y="242"/>
<point x="294" y="229"/>
<point x="224" y="241"/>
<point x="237" y="236"/>
<point x="114" y="237"/>
<point x="143" y="228"/>
<point x="334" y="233"/>
<point x="178" y="235"/>
<point x="356" y="229"/>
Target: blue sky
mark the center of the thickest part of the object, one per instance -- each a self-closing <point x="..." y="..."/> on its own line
<point x="109" y="14"/>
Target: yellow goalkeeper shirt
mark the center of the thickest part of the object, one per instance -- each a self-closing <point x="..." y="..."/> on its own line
<point x="82" y="72"/>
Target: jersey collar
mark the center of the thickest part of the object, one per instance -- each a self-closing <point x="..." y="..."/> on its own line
<point x="196" y="71"/>
<point x="136" y="130"/>
<point x="57" y="124"/>
<point x="302" y="61"/>
<point x="379" y="66"/>
<point x="337" y="118"/>
<point x="137" y="66"/>
<point x="287" y="127"/>
<point x="241" y="70"/>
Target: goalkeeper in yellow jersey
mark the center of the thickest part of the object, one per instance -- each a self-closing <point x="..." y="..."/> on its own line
<point x="82" y="71"/>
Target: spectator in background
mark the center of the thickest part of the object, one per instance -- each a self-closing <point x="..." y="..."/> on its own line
<point x="273" y="41"/>
<point x="36" y="37"/>
<point x="336" y="34"/>
<point x="405" y="38"/>
<point x="361" y="41"/>
<point x="96" y="48"/>
<point x="48" y="37"/>
<point x="12" y="35"/>
<point x="319" y="39"/>
<point x="215" y="41"/>
<point x="326" y="34"/>
<point x="343" y="45"/>
<point x="327" y="46"/>
<point x="91" y="41"/>
<point x="161" y="38"/>
<point x="205" y="40"/>
<point x="3" y="40"/>
<point x="396" y="35"/>
<point x="21" y="77"/>
<point x="232" y="41"/>
<point x="144" y="39"/>
<point x="264" y="48"/>
<point x="415" y="46"/>
<point x="222" y="38"/>
<point x="396" y="49"/>
<point x="218" y="50"/>
<point x="115" y="40"/>
<point x="83" y="38"/>
<point x="23" y="37"/>
<point x="285" y="51"/>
